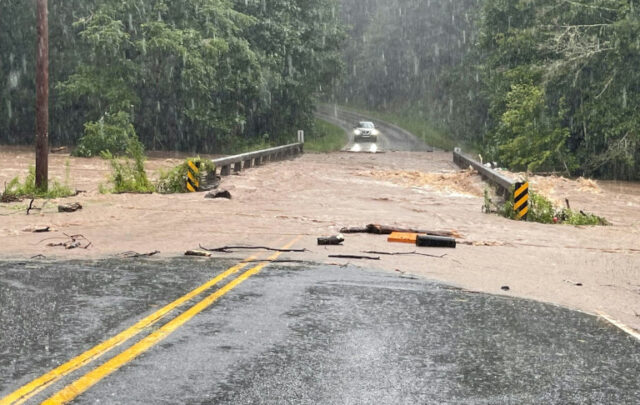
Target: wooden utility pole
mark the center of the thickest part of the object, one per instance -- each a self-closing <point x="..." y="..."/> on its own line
<point x="42" y="97"/>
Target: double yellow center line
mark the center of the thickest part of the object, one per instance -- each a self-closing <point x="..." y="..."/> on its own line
<point x="85" y="382"/>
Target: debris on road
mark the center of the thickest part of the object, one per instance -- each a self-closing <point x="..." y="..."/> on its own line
<point x="218" y="194"/>
<point x="357" y="257"/>
<point x="37" y="229"/>
<point x="230" y="249"/>
<point x="69" y="207"/>
<point x="30" y="206"/>
<point x="73" y="242"/>
<point x="388" y="230"/>
<point x="435" y="241"/>
<point x="135" y="255"/>
<point x="403" y="237"/>
<point x="505" y="288"/>
<point x="331" y="241"/>
<point x="573" y="283"/>
<point x="481" y="243"/>
<point x="373" y="252"/>
<point x="9" y="198"/>
<point x="197" y="253"/>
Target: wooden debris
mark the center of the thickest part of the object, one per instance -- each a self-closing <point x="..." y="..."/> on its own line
<point x="357" y="257"/>
<point x="69" y="207"/>
<point x="388" y="230"/>
<point x="197" y="253"/>
<point x="9" y="198"/>
<point x="30" y="206"/>
<point x="59" y="150"/>
<point x="373" y="252"/>
<point x="37" y="229"/>
<point x="135" y="255"/>
<point x="230" y="249"/>
<point x="73" y="242"/>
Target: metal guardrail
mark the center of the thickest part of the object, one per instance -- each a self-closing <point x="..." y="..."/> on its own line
<point x="504" y="184"/>
<point x="237" y="163"/>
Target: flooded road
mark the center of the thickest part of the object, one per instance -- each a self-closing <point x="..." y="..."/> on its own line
<point x="302" y="333"/>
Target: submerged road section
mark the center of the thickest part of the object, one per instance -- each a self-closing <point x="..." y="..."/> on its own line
<point x="203" y="331"/>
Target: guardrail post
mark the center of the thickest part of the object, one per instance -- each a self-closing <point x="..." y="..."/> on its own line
<point x="237" y="167"/>
<point x="225" y="170"/>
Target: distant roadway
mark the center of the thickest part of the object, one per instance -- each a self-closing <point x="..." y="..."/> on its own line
<point x="391" y="138"/>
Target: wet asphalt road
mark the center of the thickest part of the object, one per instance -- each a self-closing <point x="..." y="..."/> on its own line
<point x="391" y="137"/>
<point x="311" y="334"/>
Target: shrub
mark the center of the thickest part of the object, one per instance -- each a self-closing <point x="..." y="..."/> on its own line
<point x="15" y="190"/>
<point x="175" y="180"/>
<point x="112" y="134"/>
<point x="128" y="174"/>
<point x="543" y="211"/>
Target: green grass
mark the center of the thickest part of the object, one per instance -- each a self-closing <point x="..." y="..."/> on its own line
<point x="15" y="190"/>
<point x="325" y="138"/>
<point x="411" y="120"/>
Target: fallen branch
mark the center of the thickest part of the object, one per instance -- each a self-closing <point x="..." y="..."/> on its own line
<point x="404" y="254"/>
<point x="73" y="242"/>
<point x="354" y="257"/>
<point x="135" y="255"/>
<point x="388" y="230"/>
<point x="69" y="207"/>
<point x="197" y="253"/>
<point x="30" y="206"/>
<point x="230" y="249"/>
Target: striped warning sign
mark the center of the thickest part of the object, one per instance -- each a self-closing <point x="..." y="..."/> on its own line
<point x="521" y="200"/>
<point x="193" y="174"/>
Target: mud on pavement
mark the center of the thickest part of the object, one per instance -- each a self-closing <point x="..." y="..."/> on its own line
<point x="318" y="194"/>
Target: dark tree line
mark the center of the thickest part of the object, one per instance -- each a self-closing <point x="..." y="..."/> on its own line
<point x="201" y="75"/>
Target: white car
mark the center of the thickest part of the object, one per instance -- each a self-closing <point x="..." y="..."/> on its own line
<point x="365" y="131"/>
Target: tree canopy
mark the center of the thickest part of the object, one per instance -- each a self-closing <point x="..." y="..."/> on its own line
<point x="205" y="75"/>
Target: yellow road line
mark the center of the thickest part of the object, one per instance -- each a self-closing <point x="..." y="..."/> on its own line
<point x="28" y="390"/>
<point x="88" y="380"/>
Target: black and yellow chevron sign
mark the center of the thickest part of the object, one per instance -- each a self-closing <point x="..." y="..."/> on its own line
<point x="521" y="200"/>
<point x="193" y="184"/>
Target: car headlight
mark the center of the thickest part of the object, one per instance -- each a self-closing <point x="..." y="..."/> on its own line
<point x="375" y="132"/>
<point x="357" y="132"/>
